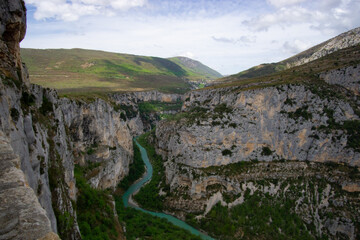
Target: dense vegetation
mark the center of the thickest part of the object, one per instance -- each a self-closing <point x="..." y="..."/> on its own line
<point x="136" y="169"/>
<point x="258" y="217"/>
<point x="141" y="225"/>
<point x="156" y="106"/>
<point x="155" y="109"/>
<point x="148" y="196"/>
<point x="94" y="210"/>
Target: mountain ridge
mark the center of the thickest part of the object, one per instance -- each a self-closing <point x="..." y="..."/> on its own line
<point x="341" y="41"/>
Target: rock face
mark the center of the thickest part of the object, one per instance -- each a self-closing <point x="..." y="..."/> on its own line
<point x="99" y="127"/>
<point x="266" y="124"/>
<point x="347" y="77"/>
<point x="291" y="141"/>
<point x="312" y="187"/>
<point x="12" y="31"/>
<point x="22" y="216"/>
<point x="49" y="135"/>
<point x="138" y="121"/>
<point x="132" y="98"/>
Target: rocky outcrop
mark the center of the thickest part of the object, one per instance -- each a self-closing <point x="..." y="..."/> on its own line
<point x="132" y="98"/>
<point x="287" y="122"/>
<point x="291" y="141"/>
<point x="12" y="31"/>
<point x="348" y="77"/>
<point x="49" y="135"/>
<point x="313" y="188"/>
<point x="96" y="127"/>
<point x="139" y="121"/>
<point x="22" y="216"/>
<point x="344" y="40"/>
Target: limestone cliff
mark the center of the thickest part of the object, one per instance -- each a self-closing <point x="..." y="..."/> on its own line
<point x="297" y="142"/>
<point x="285" y="122"/>
<point x="22" y="216"/>
<point x="49" y="135"/>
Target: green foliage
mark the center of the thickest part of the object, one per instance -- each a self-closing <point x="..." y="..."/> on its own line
<point x="123" y="116"/>
<point x="222" y="109"/>
<point x="266" y="151"/>
<point x="46" y="106"/>
<point x="331" y="121"/>
<point x="14" y="113"/>
<point x="27" y="100"/>
<point x="129" y="110"/>
<point x="136" y="169"/>
<point x="94" y="210"/>
<point x="140" y="225"/>
<point x="352" y="128"/>
<point x="148" y="196"/>
<point x="56" y="173"/>
<point x="157" y="106"/>
<point x="92" y="149"/>
<point x="196" y="70"/>
<point x="289" y="101"/>
<point x="226" y="152"/>
<point x="301" y="112"/>
<point x="233" y="125"/>
<point x="257" y="218"/>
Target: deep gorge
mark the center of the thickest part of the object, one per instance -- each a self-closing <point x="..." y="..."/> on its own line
<point x="273" y="159"/>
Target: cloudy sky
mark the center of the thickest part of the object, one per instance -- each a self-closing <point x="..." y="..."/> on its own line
<point x="227" y="35"/>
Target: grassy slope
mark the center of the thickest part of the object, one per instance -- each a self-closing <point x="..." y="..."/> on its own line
<point x="82" y="71"/>
<point x="308" y="72"/>
<point x="195" y="69"/>
<point x="270" y="68"/>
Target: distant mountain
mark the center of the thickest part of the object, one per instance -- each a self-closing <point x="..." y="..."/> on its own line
<point x="344" y="40"/>
<point x="196" y="69"/>
<point x="83" y="71"/>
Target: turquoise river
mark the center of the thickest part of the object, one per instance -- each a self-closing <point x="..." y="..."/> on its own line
<point x="136" y="186"/>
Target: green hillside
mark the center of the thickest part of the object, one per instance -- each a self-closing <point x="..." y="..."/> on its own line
<point x="306" y="73"/>
<point x="196" y="70"/>
<point x="313" y="53"/>
<point x="79" y="71"/>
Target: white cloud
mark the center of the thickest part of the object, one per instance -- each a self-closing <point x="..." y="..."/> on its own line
<point x="333" y="15"/>
<point x="241" y="39"/>
<point x="283" y="3"/>
<point x="294" y="47"/>
<point x="283" y="17"/>
<point x="72" y="10"/>
<point x="188" y="55"/>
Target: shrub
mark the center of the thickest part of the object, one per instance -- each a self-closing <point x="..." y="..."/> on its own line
<point x="14" y="114"/>
<point x="46" y="106"/>
<point x="226" y="152"/>
<point x="266" y="151"/>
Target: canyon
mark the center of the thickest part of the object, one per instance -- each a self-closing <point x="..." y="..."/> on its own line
<point x="286" y="148"/>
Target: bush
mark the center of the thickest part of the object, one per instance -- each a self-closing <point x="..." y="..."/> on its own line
<point x="266" y="151"/>
<point x="14" y="114"/>
<point x="46" y="106"/>
<point x="226" y="152"/>
<point x="352" y="128"/>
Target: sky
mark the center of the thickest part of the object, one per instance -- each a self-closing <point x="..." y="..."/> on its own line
<point x="227" y="35"/>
